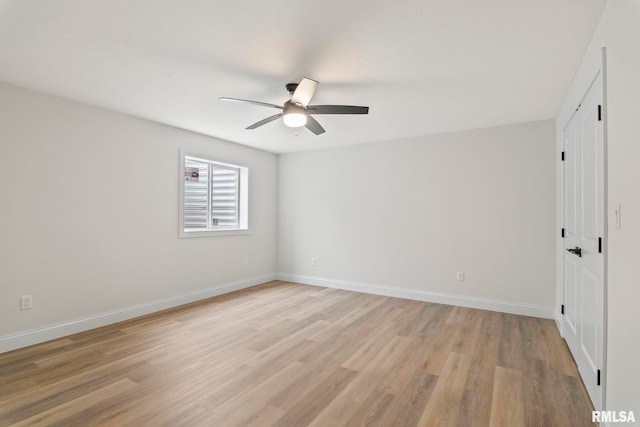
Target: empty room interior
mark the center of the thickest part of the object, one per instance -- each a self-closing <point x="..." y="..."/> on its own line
<point x="414" y="213"/>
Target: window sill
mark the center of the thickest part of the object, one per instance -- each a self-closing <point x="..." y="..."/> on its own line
<point x="213" y="233"/>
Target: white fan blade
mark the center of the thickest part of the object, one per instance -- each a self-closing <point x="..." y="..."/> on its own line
<point x="304" y="92"/>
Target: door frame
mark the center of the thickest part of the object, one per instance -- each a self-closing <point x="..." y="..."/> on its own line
<point x="598" y="72"/>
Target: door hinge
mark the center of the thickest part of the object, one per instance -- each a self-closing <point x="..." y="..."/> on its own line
<point x="562" y="156"/>
<point x="599" y="245"/>
<point x="562" y="309"/>
<point x="562" y="233"/>
<point x="599" y="113"/>
<point x="598" y="376"/>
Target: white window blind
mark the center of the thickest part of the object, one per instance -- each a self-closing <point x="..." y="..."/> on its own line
<point x="212" y="198"/>
<point x="196" y="197"/>
<point x="224" y="196"/>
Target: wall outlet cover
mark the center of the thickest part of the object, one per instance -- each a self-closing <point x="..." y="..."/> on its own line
<point x="26" y="302"/>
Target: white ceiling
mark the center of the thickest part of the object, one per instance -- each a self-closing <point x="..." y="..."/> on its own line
<point x="422" y="66"/>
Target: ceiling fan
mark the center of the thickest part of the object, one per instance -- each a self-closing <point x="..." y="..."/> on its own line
<point x="297" y="112"/>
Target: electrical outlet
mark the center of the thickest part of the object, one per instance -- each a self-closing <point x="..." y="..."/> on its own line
<point x="26" y="302"/>
<point x="314" y="261"/>
<point x="245" y="263"/>
<point x="460" y="276"/>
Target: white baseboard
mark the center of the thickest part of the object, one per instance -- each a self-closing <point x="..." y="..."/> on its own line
<point x="414" y="294"/>
<point x="47" y="333"/>
<point x="558" y="318"/>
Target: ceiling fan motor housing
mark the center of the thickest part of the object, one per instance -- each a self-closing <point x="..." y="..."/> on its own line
<point x="291" y="108"/>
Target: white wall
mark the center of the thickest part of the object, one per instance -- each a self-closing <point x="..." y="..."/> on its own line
<point x="409" y="214"/>
<point x="89" y="215"/>
<point x="619" y="32"/>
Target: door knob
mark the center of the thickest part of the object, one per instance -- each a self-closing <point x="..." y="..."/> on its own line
<point x="576" y="251"/>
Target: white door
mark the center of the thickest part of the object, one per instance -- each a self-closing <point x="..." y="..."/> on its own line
<point x="583" y="170"/>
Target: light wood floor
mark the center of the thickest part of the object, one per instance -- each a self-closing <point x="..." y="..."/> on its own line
<point x="284" y="354"/>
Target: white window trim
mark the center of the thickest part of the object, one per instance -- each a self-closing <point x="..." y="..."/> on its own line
<point x="243" y="209"/>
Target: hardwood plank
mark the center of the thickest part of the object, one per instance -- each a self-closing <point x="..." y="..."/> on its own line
<point x="267" y="416"/>
<point x="475" y="410"/>
<point x="444" y="403"/>
<point x="507" y="404"/>
<point x="306" y="409"/>
<point x="370" y="349"/>
<point x="408" y="366"/>
<point x="535" y="388"/>
<point x="484" y="358"/>
<point x="67" y="409"/>
<point x="409" y="405"/>
<point x="511" y="347"/>
<point x="370" y="412"/>
<point x="437" y="355"/>
<point x="39" y="399"/>
<point x="338" y="411"/>
<point x="239" y="409"/>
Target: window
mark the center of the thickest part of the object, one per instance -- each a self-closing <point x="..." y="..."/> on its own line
<point x="213" y="197"/>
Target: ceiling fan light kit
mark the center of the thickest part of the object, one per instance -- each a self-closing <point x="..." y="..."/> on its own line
<point x="294" y="120"/>
<point x="294" y="116"/>
<point x="297" y="111"/>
